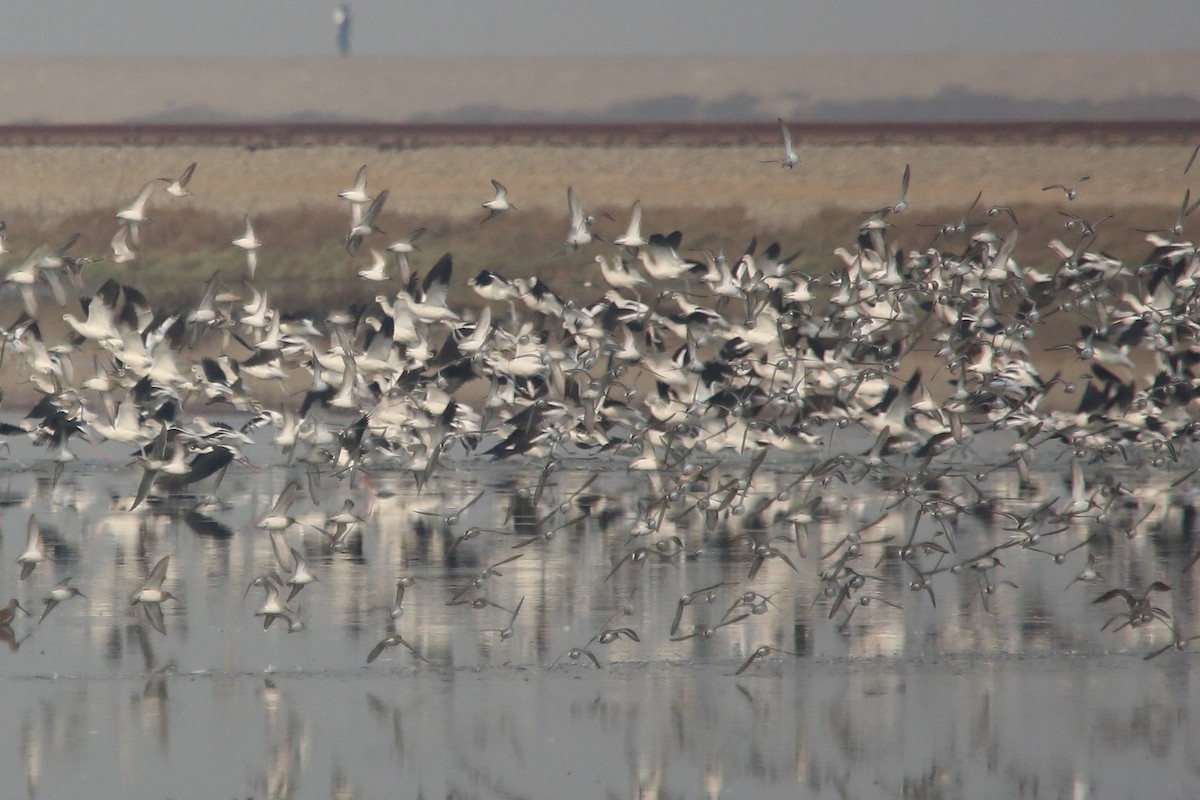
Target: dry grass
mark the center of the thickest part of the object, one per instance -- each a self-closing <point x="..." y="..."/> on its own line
<point x="309" y="268"/>
<point x="720" y="197"/>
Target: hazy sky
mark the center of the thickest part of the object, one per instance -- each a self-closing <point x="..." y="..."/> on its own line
<point x="598" y="27"/>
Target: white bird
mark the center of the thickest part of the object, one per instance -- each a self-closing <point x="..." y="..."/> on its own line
<point x="35" y="550"/>
<point x="279" y="519"/>
<point x="61" y="591"/>
<point x="151" y="596"/>
<point x="365" y="225"/>
<point x="123" y="251"/>
<point x="580" y="233"/>
<point x="902" y="204"/>
<point x="432" y="307"/>
<point x="660" y="257"/>
<point x="135" y="212"/>
<point x="126" y="426"/>
<point x="493" y="286"/>
<point x="620" y="275"/>
<point x="407" y="244"/>
<point x="99" y="324"/>
<point x="358" y="192"/>
<point x="26" y="276"/>
<point x="632" y="237"/>
<point x="250" y="243"/>
<point x="298" y="575"/>
<point x="177" y="187"/>
<point x="790" y="159"/>
<point x="402" y="247"/>
<point x="498" y="204"/>
<point x="378" y="269"/>
<point x="273" y="606"/>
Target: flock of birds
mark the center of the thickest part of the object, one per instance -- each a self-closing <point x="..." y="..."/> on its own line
<point x="697" y="369"/>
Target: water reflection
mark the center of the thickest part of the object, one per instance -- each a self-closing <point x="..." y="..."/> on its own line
<point x="926" y="635"/>
<point x="1030" y="728"/>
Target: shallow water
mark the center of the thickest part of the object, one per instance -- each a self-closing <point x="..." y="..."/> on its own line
<point x="1007" y="681"/>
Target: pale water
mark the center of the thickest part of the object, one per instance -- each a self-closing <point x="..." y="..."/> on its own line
<point x="1007" y="687"/>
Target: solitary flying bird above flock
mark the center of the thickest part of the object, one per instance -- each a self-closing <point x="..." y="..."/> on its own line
<point x="790" y="159"/>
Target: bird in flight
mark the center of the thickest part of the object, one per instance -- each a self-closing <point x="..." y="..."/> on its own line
<point x="498" y="204"/>
<point x="790" y="159"/>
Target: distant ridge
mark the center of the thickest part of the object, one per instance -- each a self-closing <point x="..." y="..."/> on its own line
<point x="946" y="86"/>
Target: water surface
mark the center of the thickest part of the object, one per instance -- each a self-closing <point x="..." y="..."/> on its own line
<point x="995" y="680"/>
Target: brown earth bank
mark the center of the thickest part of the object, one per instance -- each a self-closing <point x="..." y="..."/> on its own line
<point x="413" y="135"/>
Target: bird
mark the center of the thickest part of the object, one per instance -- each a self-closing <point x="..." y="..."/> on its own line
<point x="509" y="630"/>
<point x="579" y="233"/>
<point x="273" y="608"/>
<point x="357" y="193"/>
<point x="1141" y="609"/>
<point x="123" y="250"/>
<point x="9" y="612"/>
<point x="1087" y="228"/>
<point x="493" y="286"/>
<point x="451" y="518"/>
<point x="177" y="187"/>
<point x="35" y="548"/>
<point x="134" y="214"/>
<point x="632" y="237"/>
<point x="433" y="305"/>
<point x="902" y="203"/>
<point x="61" y="591"/>
<point x="1186" y="208"/>
<point x="279" y="519"/>
<point x="759" y="654"/>
<point x="407" y="244"/>
<point x="151" y="596"/>
<point x="1071" y="192"/>
<point x="364" y="225"/>
<point x="619" y="274"/>
<point x="790" y="159"/>
<point x="498" y="204"/>
<point x="705" y="595"/>
<point x="391" y="640"/>
<point x="1178" y="642"/>
<point x="249" y="242"/>
<point x="378" y="269"/>
<point x="398" y="603"/>
<point x="994" y="210"/>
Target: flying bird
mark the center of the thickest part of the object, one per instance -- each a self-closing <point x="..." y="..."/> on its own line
<point x="498" y="204"/>
<point x="790" y="159"/>
<point x="177" y="187"/>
